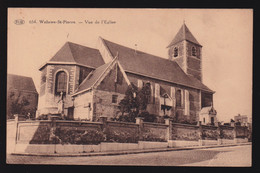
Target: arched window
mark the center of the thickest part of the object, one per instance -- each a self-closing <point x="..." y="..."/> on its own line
<point x="61" y="83"/>
<point x="175" y="52"/>
<point x="178" y="98"/>
<point x="193" y="50"/>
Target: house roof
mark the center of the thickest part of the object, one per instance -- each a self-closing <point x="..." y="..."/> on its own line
<point x="184" y="34"/>
<point x="208" y="110"/>
<point x="141" y="63"/>
<point x="21" y="83"/>
<point x="78" y="54"/>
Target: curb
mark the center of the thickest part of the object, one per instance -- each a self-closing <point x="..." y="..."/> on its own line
<point x="127" y="152"/>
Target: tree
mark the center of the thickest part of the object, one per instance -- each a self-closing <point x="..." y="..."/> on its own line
<point x="16" y="104"/>
<point x="134" y="103"/>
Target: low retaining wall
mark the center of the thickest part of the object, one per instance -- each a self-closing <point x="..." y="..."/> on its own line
<point x="50" y="136"/>
<point x="208" y="142"/>
<point x="177" y="143"/>
<point x="226" y="141"/>
<point x="10" y="135"/>
<point x="102" y="147"/>
<point x="241" y="140"/>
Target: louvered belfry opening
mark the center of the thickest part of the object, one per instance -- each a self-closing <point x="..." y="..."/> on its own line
<point x="61" y="83"/>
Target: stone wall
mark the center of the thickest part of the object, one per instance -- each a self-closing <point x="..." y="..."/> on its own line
<point x="185" y="132"/>
<point x="241" y="131"/>
<point x="209" y="132"/>
<point x="154" y="132"/>
<point x="85" y="132"/>
<point x="226" y="132"/>
<point x="121" y="132"/>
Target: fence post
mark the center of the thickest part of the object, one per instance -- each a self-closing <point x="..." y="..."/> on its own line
<point x="246" y="132"/>
<point x="200" y="133"/>
<point x="218" y="132"/>
<point x="234" y="132"/>
<point x="168" y="122"/>
<point x="16" y="119"/>
<point x="139" y="121"/>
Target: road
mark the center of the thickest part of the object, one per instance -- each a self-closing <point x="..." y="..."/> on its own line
<point x="222" y="156"/>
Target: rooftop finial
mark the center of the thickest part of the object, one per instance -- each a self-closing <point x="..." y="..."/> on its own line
<point x="135" y="47"/>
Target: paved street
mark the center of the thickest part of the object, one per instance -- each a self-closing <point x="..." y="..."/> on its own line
<point x="224" y="156"/>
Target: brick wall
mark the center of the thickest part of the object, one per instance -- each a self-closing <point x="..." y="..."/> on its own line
<point x="180" y="47"/>
<point x="103" y="105"/>
<point x="48" y="101"/>
<point x="194" y="62"/>
<point x="189" y="63"/>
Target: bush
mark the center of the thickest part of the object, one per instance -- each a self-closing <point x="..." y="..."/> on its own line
<point x="42" y="117"/>
<point x="120" y="136"/>
<point x="149" y="136"/>
<point x="148" y="117"/>
<point x="69" y="136"/>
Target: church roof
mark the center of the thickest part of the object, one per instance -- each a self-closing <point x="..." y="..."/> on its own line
<point x="78" y="54"/>
<point x="21" y="83"/>
<point x="92" y="78"/>
<point x="184" y="34"/>
<point x="141" y="63"/>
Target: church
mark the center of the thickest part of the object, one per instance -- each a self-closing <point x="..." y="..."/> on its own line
<point x="93" y="81"/>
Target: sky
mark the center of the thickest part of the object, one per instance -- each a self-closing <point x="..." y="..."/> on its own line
<point x="225" y="34"/>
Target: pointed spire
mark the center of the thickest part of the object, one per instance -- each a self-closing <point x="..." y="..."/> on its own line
<point x="184" y="34"/>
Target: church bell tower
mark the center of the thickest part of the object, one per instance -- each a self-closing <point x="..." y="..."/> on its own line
<point x="186" y="51"/>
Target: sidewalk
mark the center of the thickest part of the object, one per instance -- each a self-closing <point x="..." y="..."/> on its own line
<point x="128" y="151"/>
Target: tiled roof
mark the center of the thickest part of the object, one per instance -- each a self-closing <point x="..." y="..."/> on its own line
<point x="184" y="34"/>
<point x="152" y="66"/>
<point x="92" y="78"/>
<point x="208" y="110"/>
<point x="21" y="83"/>
<point x="75" y="53"/>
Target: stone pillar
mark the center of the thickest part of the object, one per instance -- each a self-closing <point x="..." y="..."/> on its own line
<point x="200" y="133"/>
<point x="103" y="119"/>
<point x="234" y="132"/>
<point x="16" y="120"/>
<point x="168" y="122"/>
<point x="139" y="121"/>
<point x="218" y="131"/>
<point x="19" y="117"/>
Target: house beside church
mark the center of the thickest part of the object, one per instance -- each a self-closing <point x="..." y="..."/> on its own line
<point x="93" y="81"/>
<point x="22" y="96"/>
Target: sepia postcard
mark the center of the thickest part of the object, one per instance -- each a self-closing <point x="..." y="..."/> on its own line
<point x="129" y="87"/>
